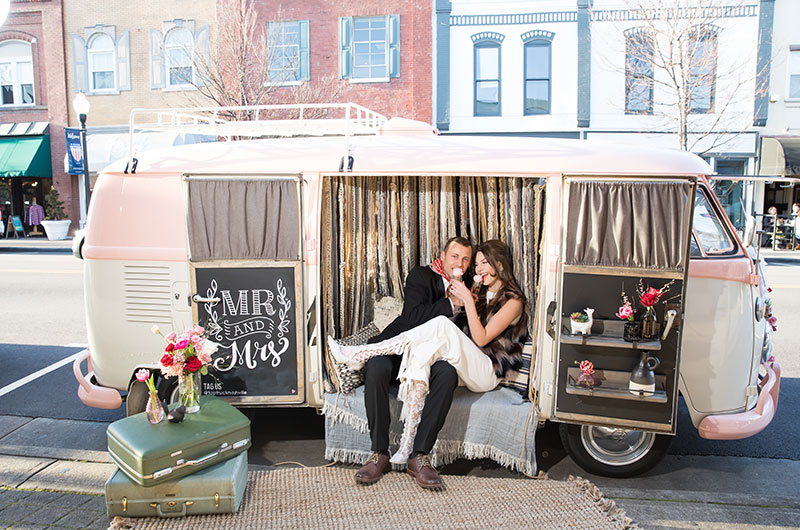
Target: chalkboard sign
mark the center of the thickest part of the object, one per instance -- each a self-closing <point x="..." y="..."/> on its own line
<point x="255" y="322"/>
<point x="17" y="223"/>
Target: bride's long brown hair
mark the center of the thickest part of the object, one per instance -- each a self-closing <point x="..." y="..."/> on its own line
<point x="497" y="254"/>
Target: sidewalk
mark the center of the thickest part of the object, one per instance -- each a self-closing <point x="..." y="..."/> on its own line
<point x="62" y="487"/>
<point x="35" y="244"/>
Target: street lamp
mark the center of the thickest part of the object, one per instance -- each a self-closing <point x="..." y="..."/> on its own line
<point x="81" y="105"/>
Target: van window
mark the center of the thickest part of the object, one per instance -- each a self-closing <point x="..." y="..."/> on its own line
<point x="708" y="228"/>
<point x="694" y="250"/>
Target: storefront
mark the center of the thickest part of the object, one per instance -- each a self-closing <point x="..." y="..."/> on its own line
<point x="780" y="156"/>
<point x="25" y="168"/>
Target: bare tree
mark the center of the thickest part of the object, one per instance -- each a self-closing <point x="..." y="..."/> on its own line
<point x="673" y="70"/>
<point x="247" y="67"/>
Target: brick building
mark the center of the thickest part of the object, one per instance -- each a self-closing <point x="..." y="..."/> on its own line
<point x="33" y="108"/>
<point x="381" y="51"/>
<point x="124" y="55"/>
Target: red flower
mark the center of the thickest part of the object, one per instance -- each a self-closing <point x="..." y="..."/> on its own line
<point x="166" y="360"/>
<point x="193" y="364"/>
<point x="169" y="347"/>
<point x="651" y="297"/>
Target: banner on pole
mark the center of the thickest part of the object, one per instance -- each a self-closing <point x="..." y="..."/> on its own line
<point x="74" y="151"/>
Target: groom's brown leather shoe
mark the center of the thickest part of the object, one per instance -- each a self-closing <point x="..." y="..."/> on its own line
<point x="420" y="468"/>
<point x="377" y="464"/>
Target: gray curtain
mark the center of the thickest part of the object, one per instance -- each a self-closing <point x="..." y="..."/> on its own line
<point x="627" y="224"/>
<point x="243" y="219"/>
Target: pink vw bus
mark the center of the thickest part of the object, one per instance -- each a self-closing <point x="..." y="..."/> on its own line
<point x="273" y="243"/>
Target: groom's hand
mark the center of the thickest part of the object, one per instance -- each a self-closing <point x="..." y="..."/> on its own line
<point x="456" y="301"/>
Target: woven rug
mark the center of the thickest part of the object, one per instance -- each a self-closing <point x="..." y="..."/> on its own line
<point x="329" y="498"/>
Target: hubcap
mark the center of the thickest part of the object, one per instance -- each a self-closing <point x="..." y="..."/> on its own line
<point x="614" y="446"/>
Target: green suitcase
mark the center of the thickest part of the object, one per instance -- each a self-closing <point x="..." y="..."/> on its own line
<point x="151" y="454"/>
<point x="216" y="489"/>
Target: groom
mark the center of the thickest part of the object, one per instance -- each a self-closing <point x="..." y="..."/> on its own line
<point x="425" y="298"/>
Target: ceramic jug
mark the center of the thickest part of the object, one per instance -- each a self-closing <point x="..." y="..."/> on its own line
<point x="643" y="380"/>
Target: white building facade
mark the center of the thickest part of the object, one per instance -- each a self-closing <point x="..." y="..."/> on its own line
<point x="575" y="69"/>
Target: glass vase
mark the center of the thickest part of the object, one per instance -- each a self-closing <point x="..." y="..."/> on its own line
<point x="154" y="410"/>
<point x="631" y="331"/>
<point x="189" y="390"/>
<point x="649" y="327"/>
<point x="585" y="380"/>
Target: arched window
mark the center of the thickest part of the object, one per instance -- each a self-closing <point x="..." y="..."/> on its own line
<point x="101" y="55"/>
<point x="638" y="71"/>
<point x="487" y="73"/>
<point x="538" y="71"/>
<point x="16" y="73"/>
<point x="178" y="49"/>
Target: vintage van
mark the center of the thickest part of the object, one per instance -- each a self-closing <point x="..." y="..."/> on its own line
<point x="272" y="244"/>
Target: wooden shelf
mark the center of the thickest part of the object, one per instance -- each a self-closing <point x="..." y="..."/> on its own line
<point x="613" y="384"/>
<point x="606" y="333"/>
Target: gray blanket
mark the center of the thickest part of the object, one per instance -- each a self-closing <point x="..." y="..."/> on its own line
<point x="499" y="425"/>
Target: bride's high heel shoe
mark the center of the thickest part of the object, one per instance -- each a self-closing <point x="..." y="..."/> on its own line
<point x="344" y="354"/>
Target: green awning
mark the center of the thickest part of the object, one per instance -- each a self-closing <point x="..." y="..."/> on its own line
<point x="25" y="156"/>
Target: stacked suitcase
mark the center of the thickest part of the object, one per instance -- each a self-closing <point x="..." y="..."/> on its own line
<point x="198" y="466"/>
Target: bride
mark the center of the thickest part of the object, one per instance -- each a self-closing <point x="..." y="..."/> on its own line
<point x="488" y="347"/>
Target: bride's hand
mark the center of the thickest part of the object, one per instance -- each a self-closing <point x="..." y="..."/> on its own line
<point x="460" y="291"/>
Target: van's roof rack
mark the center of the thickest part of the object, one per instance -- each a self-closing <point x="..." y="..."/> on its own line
<point x="259" y="121"/>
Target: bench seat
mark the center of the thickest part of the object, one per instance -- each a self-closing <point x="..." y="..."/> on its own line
<point x="499" y="425"/>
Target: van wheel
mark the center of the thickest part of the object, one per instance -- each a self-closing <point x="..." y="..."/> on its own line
<point x="613" y="451"/>
<point x="168" y="389"/>
<point x="136" y="400"/>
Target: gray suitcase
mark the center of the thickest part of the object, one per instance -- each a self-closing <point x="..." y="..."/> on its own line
<point x="215" y="489"/>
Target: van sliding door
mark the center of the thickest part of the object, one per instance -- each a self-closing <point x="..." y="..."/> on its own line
<point x="245" y="259"/>
<point x="622" y="235"/>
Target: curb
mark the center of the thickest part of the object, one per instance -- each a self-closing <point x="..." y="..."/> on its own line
<point x="78" y="455"/>
<point x="35" y="250"/>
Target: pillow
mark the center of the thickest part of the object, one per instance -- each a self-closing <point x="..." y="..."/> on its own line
<point x="385" y="311"/>
<point x="520" y="380"/>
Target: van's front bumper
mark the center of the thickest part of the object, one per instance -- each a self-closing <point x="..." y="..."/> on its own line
<point x="745" y="424"/>
<point x="91" y="394"/>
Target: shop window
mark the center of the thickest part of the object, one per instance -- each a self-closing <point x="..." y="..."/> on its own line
<point x="288" y="57"/>
<point x="369" y="48"/>
<point x="179" y="55"/>
<point x="638" y="72"/>
<point x="101" y="60"/>
<point x="486" y="50"/>
<point x="16" y="73"/>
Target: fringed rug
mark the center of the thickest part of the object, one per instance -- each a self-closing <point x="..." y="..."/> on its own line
<point x="329" y="498"/>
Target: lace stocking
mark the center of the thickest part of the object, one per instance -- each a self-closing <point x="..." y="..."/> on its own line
<point x="412" y="414"/>
<point x="357" y="356"/>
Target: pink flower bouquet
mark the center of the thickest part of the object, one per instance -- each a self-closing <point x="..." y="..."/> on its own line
<point x="186" y="353"/>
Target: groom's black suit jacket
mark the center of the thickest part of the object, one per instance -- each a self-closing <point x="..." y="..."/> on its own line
<point x="424" y="299"/>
